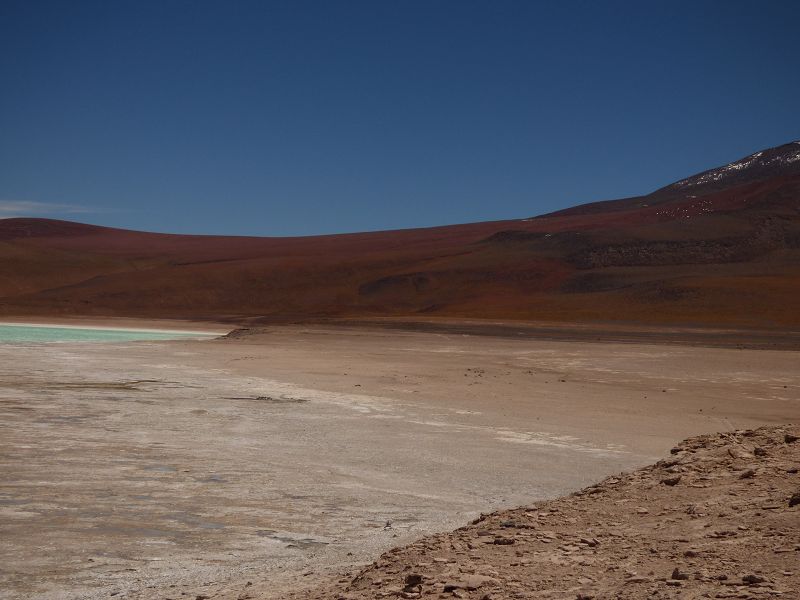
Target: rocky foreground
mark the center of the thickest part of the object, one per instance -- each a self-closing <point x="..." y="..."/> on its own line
<point x="719" y="518"/>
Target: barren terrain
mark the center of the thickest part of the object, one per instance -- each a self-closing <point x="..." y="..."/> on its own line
<point x="284" y="458"/>
<point x="718" y="518"/>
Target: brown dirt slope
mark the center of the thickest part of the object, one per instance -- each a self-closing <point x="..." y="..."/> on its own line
<point x="719" y="518"/>
<point x="720" y="248"/>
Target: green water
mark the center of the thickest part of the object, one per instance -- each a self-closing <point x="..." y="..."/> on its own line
<point x="16" y="334"/>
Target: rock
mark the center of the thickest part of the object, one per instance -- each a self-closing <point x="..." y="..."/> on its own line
<point x="503" y="541"/>
<point x="790" y="439"/>
<point x="471" y="583"/>
<point x="794" y="500"/>
<point x="413" y="579"/>
<point x="749" y="474"/>
<point x="508" y="524"/>
<point x="753" y="579"/>
<point x="678" y="575"/>
<point x="759" y="451"/>
<point x="671" y="480"/>
<point x="738" y="453"/>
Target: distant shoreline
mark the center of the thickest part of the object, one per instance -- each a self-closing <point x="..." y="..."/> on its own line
<point x="121" y="324"/>
<point x="731" y="338"/>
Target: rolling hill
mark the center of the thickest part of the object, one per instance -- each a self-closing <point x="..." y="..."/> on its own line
<point x="719" y="248"/>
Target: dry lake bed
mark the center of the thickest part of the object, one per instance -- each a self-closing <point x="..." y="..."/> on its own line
<point x="169" y="469"/>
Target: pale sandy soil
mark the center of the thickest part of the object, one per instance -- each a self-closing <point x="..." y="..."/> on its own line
<point x="719" y="517"/>
<point x="187" y="468"/>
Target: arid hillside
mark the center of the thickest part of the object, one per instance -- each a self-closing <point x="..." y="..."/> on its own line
<point x="719" y="248"/>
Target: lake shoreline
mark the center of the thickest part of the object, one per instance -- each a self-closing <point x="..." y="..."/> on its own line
<point x="203" y="464"/>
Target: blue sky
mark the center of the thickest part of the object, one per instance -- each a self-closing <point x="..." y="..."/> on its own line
<point x="296" y="118"/>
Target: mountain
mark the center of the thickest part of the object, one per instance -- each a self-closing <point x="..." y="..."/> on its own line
<point x="766" y="164"/>
<point x="719" y="248"/>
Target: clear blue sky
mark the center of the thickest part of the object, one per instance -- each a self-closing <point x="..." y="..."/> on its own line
<point x="293" y="118"/>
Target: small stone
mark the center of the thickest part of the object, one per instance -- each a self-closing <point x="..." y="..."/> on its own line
<point x="508" y="524"/>
<point x="749" y="474"/>
<point x="794" y="500"/>
<point x="759" y="451"/>
<point x="753" y="579"/>
<point x="790" y="439"/>
<point x="670" y="481"/>
<point x="678" y="575"/>
<point x="503" y="541"/>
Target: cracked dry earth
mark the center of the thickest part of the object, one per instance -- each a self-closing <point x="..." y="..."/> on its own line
<point x="719" y="518"/>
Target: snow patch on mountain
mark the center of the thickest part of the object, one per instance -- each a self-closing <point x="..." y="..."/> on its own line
<point x="764" y="159"/>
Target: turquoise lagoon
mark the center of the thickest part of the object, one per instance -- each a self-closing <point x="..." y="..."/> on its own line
<point x="25" y="334"/>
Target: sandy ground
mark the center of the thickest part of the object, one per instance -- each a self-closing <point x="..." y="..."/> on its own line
<point x="156" y="470"/>
<point x="719" y="517"/>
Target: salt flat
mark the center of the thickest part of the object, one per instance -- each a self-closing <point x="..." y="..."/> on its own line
<point x="153" y="469"/>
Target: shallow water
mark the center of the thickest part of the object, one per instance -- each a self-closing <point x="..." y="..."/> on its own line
<point x="16" y="334"/>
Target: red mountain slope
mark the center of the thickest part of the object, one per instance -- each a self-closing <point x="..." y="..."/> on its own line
<point x="722" y="247"/>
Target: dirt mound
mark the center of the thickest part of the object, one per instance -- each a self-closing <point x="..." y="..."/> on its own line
<point x="720" y="518"/>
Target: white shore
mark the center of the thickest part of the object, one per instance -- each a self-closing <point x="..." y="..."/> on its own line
<point x="133" y="468"/>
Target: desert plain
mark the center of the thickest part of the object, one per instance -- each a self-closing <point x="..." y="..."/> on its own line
<point x="262" y="462"/>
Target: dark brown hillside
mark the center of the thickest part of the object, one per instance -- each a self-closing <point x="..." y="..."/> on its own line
<point x="719" y="248"/>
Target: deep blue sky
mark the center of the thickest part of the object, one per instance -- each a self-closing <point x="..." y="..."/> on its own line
<point x="290" y="117"/>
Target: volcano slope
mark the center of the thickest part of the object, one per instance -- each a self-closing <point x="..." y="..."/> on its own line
<point x="720" y="518"/>
<point x="719" y="248"/>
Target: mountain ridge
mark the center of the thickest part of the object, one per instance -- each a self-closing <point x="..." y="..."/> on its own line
<point x="721" y="246"/>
